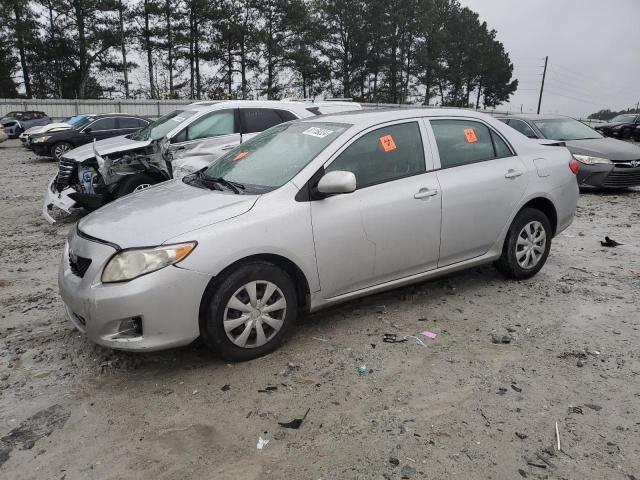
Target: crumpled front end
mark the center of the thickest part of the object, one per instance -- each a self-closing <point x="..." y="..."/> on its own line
<point x="53" y="199"/>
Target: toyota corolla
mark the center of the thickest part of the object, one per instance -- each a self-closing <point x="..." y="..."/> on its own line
<point x="311" y="213"/>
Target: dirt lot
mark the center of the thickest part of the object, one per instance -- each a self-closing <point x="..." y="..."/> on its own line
<point x="460" y="405"/>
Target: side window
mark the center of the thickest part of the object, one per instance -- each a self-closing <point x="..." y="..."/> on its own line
<point x="464" y="141"/>
<point x="27" y="116"/>
<point x="502" y="149"/>
<point x="221" y="122"/>
<point x="383" y="155"/>
<point x="523" y="128"/>
<point x="258" y="119"/>
<point x="104" y="124"/>
<point x="285" y="115"/>
<point x="128" y="122"/>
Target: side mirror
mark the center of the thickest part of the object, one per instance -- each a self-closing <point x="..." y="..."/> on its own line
<point x="337" y="182"/>
<point x="87" y="130"/>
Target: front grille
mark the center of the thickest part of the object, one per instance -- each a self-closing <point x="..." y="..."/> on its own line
<point x="622" y="177"/>
<point x="78" y="265"/>
<point x="66" y="171"/>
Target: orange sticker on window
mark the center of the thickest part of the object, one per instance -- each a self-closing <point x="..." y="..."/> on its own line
<point x="241" y="155"/>
<point x="387" y="143"/>
<point x="470" y="133"/>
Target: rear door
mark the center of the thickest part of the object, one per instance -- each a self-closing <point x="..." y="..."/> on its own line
<point x="482" y="181"/>
<point x="128" y="125"/>
<point x="389" y="227"/>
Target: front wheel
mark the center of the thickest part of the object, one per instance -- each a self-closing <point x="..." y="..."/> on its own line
<point x="250" y="311"/>
<point x="134" y="183"/>
<point x="526" y="246"/>
<point x="59" y="149"/>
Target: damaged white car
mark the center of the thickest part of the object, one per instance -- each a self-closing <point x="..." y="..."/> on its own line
<point x="95" y="174"/>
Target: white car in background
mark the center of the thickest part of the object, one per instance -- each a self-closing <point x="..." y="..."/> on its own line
<point x="95" y="174"/>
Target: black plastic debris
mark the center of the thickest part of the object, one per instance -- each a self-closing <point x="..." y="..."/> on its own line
<point x="268" y="389"/>
<point x="295" y="423"/>
<point x="501" y="391"/>
<point x="226" y="388"/>
<point x="522" y="473"/>
<point x="596" y="408"/>
<point x="521" y="436"/>
<point x="573" y="409"/>
<point x="504" y="339"/>
<point x="610" y="242"/>
<point x="517" y="389"/>
<point x="394" y="461"/>
<point x="392" y="338"/>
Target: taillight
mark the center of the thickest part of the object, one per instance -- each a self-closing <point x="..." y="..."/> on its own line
<point x="573" y="166"/>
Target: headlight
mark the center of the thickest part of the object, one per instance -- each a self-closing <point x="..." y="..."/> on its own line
<point x="40" y="139"/>
<point x="589" y="160"/>
<point x="133" y="263"/>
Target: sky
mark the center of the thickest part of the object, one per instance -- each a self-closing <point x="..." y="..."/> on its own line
<point x="593" y="48"/>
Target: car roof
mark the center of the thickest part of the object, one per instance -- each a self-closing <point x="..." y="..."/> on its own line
<point x="374" y="116"/>
<point x="215" y="105"/>
<point x="533" y="116"/>
<point x="115" y="114"/>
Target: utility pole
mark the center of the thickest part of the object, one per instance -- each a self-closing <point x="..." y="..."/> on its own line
<point x="544" y="74"/>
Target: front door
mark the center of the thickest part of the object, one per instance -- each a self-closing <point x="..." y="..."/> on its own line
<point x="482" y="182"/>
<point x="389" y="227"/>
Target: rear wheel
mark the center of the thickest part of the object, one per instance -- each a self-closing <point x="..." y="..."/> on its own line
<point x="134" y="183"/>
<point x="526" y="246"/>
<point x="250" y="311"/>
<point x="59" y="149"/>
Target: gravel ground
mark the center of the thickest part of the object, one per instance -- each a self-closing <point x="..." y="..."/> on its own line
<point x="464" y="404"/>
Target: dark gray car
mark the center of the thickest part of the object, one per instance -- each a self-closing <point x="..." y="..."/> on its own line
<point x="15" y="123"/>
<point x="604" y="162"/>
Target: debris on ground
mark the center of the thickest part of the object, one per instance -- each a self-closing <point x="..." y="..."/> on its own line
<point x="407" y="471"/>
<point x="521" y="436"/>
<point x="392" y="338"/>
<point x="295" y="423"/>
<point x="226" y="388"/>
<point x="429" y="334"/>
<point x="268" y="389"/>
<point x="610" y="242"/>
<point x="362" y="369"/>
<point x="262" y="443"/>
<point x="593" y="407"/>
<point x="504" y="339"/>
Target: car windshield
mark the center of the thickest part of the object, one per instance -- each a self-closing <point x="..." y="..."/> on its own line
<point x="16" y="115"/>
<point x="272" y="158"/>
<point x="623" y="119"/>
<point x="75" y="120"/>
<point x="82" y="123"/>
<point x="565" y="129"/>
<point x="158" y="129"/>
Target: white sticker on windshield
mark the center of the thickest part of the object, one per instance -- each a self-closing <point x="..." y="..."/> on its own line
<point x="317" y="132"/>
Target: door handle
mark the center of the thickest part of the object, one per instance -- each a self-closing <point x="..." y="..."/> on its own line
<point x="511" y="173"/>
<point x="425" y="193"/>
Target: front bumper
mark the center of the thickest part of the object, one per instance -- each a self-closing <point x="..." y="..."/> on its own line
<point x="608" y="176"/>
<point x="54" y="199"/>
<point x="166" y="302"/>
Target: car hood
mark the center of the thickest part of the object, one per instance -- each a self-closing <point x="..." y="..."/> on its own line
<point x="153" y="216"/>
<point x="47" y="128"/>
<point x="605" y="148"/>
<point x="105" y="147"/>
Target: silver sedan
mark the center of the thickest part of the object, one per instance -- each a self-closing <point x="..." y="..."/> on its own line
<point x="311" y="213"/>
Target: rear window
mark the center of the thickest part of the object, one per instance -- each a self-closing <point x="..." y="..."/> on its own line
<point x="461" y="142"/>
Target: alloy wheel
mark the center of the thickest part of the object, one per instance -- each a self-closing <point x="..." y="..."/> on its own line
<point x="142" y="186"/>
<point x="254" y="314"/>
<point x="60" y="150"/>
<point x="531" y="244"/>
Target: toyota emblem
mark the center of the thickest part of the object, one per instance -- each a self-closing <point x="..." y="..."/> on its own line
<point x="634" y="163"/>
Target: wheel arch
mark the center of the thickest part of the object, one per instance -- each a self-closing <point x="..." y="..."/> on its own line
<point x="294" y="271"/>
<point x="547" y="207"/>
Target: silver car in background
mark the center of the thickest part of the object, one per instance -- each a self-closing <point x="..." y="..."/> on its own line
<point x="308" y="214"/>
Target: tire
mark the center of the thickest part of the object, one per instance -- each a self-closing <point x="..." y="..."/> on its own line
<point x="133" y="183"/>
<point x="59" y="149"/>
<point x="232" y="288"/>
<point x="513" y="263"/>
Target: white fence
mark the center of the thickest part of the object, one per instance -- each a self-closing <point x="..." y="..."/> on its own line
<point x="59" y="109"/>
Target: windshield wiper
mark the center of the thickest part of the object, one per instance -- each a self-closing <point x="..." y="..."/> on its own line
<point x="235" y="187"/>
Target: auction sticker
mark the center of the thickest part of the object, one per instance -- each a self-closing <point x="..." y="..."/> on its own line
<point x="241" y="155"/>
<point x="317" y="132"/>
<point x="388" y="144"/>
<point x="470" y="133"/>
